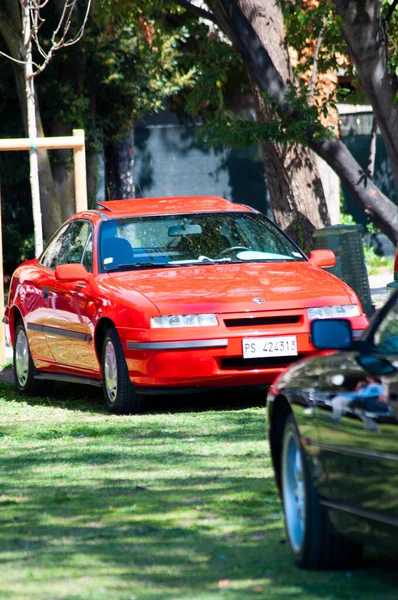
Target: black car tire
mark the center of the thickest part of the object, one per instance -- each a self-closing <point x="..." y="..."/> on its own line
<point x="24" y="367"/>
<point x="312" y="540"/>
<point x="119" y="393"/>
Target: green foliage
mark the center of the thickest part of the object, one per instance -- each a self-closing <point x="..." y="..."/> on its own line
<point x="375" y="262"/>
<point x="225" y="127"/>
<point x="114" y="76"/>
<point x="391" y="28"/>
<point x="347" y="219"/>
<point x="306" y="25"/>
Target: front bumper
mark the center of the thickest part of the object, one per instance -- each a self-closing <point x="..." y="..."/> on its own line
<point x="213" y="360"/>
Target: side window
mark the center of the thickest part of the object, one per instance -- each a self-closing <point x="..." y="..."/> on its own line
<point x="68" y="246"/>
<point x="386" y="335"/>
<point x="50" y="256"/>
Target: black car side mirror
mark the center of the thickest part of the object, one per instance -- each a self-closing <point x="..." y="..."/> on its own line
<point x="331" y="334"/>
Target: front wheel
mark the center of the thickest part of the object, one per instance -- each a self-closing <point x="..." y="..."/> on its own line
<point x="119" y="393"/>
<point x="313" y="542"/>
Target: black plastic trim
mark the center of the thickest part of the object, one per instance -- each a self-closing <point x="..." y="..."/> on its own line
<point x="75" y="335"/>
<point x="222" y="343"/>
<point x="69" y="378"/>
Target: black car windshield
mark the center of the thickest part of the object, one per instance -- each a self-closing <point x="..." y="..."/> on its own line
<point x="203" y="238"/>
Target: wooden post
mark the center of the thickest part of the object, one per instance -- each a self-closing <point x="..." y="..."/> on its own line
<point x="2" y="326"/>
<point x="52" y="143"/>
<point x="79" y="154"/>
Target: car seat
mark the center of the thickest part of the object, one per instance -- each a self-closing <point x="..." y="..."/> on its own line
<point x="116" y="251"/>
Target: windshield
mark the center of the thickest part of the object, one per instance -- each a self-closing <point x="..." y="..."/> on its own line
<point x="207" y="238"/>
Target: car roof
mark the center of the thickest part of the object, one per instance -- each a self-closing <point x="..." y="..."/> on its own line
<point x="169" y="205"/>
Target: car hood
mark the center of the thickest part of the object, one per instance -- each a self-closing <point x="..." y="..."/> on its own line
<point x="227" y="288"/>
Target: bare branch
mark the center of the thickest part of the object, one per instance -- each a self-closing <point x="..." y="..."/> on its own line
<point x="315" y="63"/>
<point x="61" y="31"/>
<point x="20" y="62"/>
<point x="197" y="11"/>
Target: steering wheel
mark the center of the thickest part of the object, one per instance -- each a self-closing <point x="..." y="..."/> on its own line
<point x="232" y="249"/>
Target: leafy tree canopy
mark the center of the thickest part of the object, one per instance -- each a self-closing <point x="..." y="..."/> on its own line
<point x="117" y="73"/>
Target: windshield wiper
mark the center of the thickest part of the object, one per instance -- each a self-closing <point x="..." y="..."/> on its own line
<point x="202" y="260"/>
<point x="140" y="265"/>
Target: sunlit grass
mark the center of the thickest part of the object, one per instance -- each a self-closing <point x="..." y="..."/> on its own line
<point x="178" y="503"/>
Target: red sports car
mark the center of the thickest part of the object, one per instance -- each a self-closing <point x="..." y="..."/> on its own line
<point x="165" y="294"/>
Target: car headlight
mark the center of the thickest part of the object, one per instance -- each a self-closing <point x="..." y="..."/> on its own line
<point x="333" y="312"/>
<point x="204" y="320"/>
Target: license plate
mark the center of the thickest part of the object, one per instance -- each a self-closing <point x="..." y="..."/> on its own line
<point x="281" y="345"/>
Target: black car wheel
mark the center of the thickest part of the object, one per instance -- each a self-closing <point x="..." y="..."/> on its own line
<point x="312" y="539"/>
<point x="119" y="393"/>
<point x="24" y="368"/>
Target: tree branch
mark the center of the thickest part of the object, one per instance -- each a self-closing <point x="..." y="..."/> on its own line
<point x="315" y="62"/>
<point x="234" y="23"/>
<point x="62" y="29"/>
<point x="390" y="11"/>
<point x="197" y="11"/>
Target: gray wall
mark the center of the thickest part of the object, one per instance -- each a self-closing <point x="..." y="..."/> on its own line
<point x="169" y="161"/>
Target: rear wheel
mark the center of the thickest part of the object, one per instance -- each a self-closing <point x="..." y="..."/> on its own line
<point x="312" y="540"/>
<point x="119" y="393"/>
<point x="24" y="368"/>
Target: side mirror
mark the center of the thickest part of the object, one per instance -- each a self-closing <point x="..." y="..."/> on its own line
<point x="331" y="334"/>
<point x="323" y="258"/>
<point x="72" y="272"/>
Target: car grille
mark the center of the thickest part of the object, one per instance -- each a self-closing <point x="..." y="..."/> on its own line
<point x="258" y="363"/>
<point x="257" y="321"/>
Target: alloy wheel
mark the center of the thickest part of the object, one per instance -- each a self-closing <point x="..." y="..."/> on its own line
<point x="22" y="358"/>
<point x="110" y="371"/>
<point x="294" y="492"/>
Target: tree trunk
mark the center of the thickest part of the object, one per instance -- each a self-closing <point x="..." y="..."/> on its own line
<point x="367" y="42"/>
<point x="63" y="173"/>
<point x="119" y="160"/>
<point x="296" y="192"/>
<point x="380" y="209"/>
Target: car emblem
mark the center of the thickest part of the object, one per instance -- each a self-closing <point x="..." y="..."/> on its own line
<point x="259" y="300"/>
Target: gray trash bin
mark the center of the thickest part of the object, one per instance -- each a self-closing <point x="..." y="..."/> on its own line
<point x="346" y="243"/>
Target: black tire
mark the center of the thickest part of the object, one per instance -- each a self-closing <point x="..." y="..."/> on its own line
<point x="24" y="367"/>
<point x="312" y="539"/>
<point x="119" y="393"/>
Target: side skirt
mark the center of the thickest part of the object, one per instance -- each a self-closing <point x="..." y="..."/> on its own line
<point x="69" y="378"/>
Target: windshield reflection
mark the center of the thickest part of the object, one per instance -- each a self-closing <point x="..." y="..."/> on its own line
<point x="180" y="240"/>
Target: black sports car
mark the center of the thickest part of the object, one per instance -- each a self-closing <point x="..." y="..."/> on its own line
<point x="333" y="433"/>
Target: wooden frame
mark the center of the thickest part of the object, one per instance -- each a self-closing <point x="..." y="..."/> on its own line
<point x="77" y="143"/>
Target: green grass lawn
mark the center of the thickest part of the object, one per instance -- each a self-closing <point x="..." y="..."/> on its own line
<point x="178" y="503"/>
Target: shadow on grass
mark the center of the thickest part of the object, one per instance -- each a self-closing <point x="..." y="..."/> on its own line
<point x="168" y="506"/>
<point x="87" y="398"/>
<point x="148" y="536"/>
